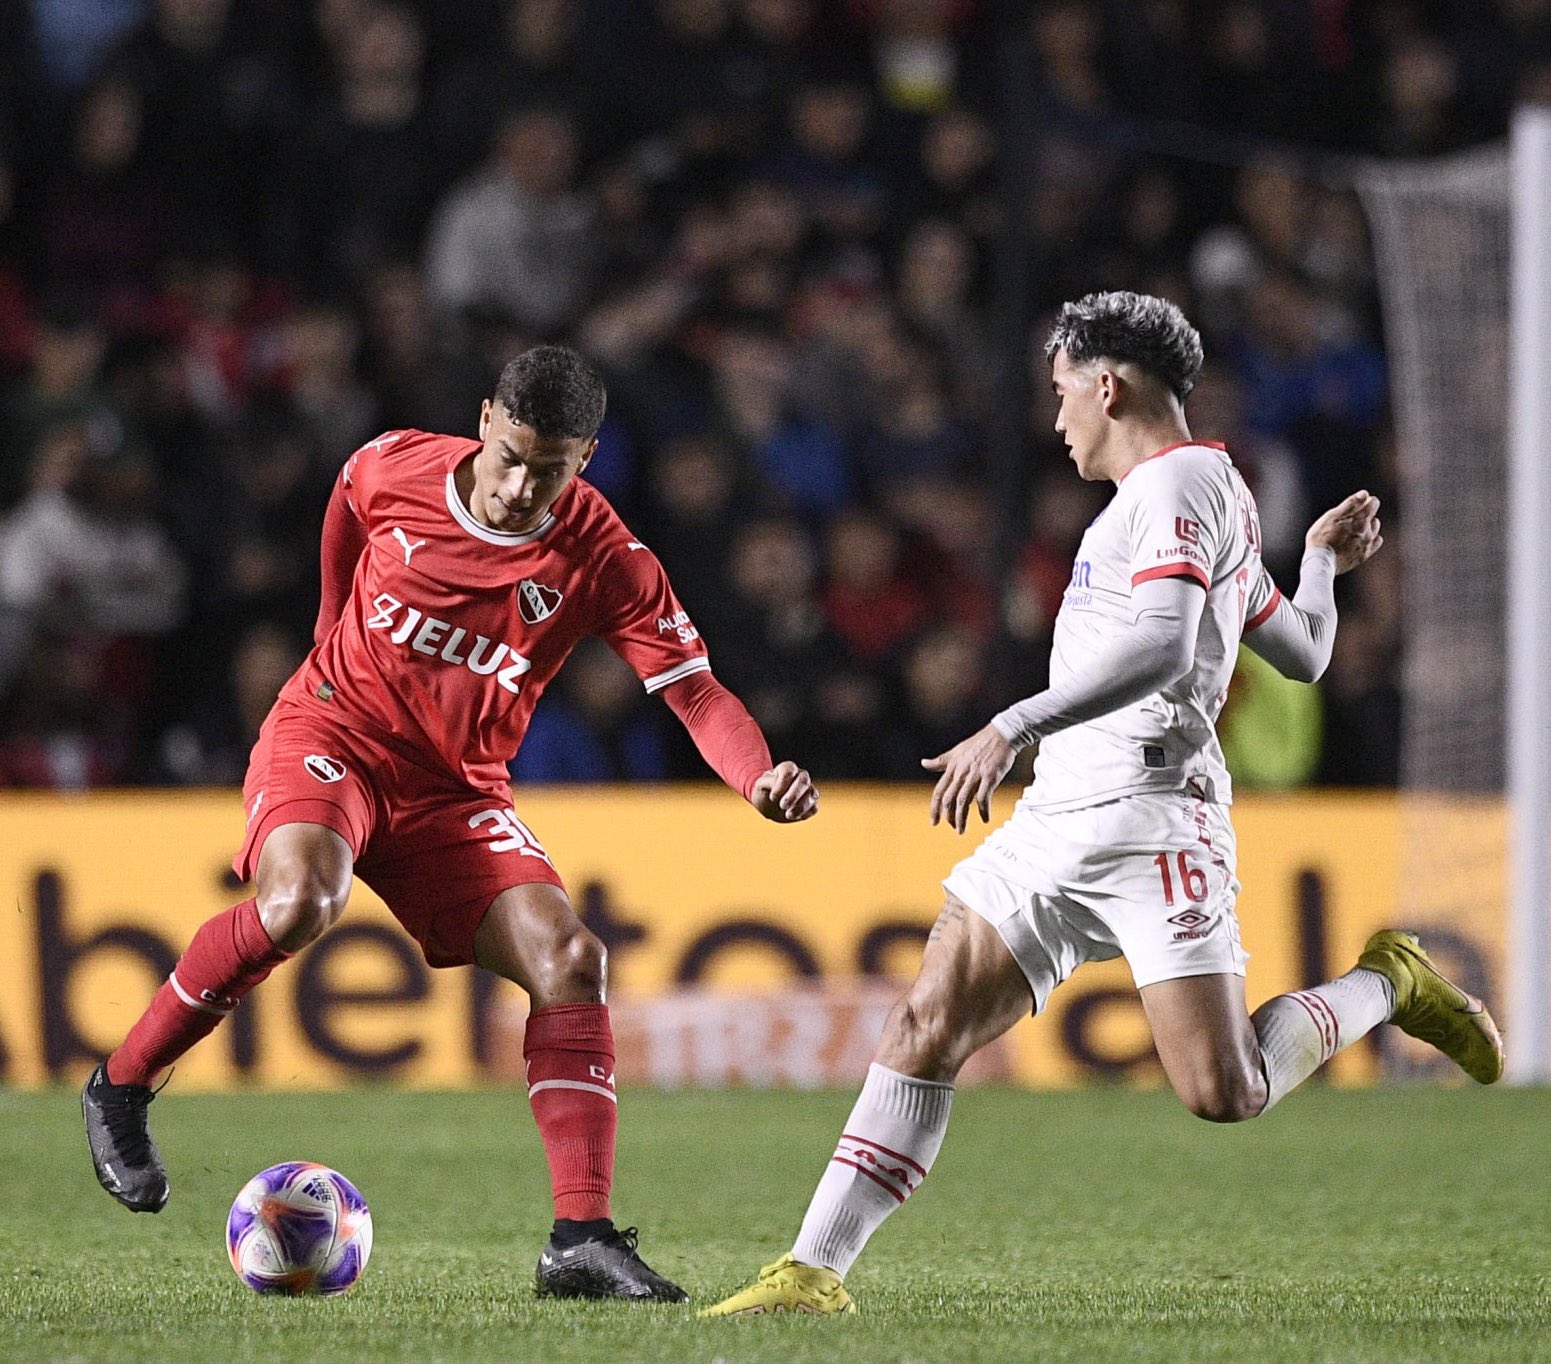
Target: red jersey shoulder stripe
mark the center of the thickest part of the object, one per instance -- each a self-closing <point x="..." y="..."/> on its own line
<point x="1179" y="569"/>
<point x="1266" y="612"/>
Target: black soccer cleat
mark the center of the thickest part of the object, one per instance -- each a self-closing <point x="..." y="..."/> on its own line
<point x="128" y="1164"/>
<point x="605" y="1267"/>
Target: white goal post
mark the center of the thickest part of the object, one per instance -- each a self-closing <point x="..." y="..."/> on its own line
<point x="1528" y="622"/>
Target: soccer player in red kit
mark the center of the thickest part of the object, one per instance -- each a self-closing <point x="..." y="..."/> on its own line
<point x="457" y="577"/>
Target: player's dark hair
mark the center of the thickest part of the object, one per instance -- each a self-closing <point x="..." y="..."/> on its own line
<point x="1150" y="332"/>
<point x="553" y="390"/>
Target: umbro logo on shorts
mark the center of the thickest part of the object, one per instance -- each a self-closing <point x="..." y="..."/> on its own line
<point x="324" y="769"/>
<point x="1192" y="925"/>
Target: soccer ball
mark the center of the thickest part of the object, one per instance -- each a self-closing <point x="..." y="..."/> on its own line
<point x="299" y="1228"/>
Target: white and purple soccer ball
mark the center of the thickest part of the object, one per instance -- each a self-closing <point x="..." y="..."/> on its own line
<point x="299" y="1228"/>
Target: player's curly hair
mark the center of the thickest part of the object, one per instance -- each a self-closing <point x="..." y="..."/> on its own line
<point x="553" y="390"/>
<point x="1150" y="332"/>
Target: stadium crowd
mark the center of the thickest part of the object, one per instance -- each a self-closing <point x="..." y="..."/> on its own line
<point x="240" y="237"/>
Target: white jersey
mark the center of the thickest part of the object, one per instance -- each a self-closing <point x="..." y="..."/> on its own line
<point x="1183" y="512"/>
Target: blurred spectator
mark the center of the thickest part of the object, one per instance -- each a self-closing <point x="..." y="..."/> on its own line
<point x="871" y="604"/>
<point x="211" y="99"/>
<point x="238" y="238"/>
<point x="73" y="36"/>
<point x="774" y="648"/>
<point x="826" y="164"/>
<point x="915" y="435"/>
<point x="781" y="46"/>
<point x="1304" y="380"/>
<point x="517" y="238"/>
<point x="1230" y="258"/>
<point x="223" y="324"/>
<point x="278" y="483"/>
<point x="105" y="223"/>
<point x="366" y="170"/>
<point x="953" y="173"/>
<point x="695" y="504"/>
<point x="17" y="322"/>
<point x="88" y="584"/>
<point x="210" y="746"/>
<point x="334" y="409"/>
<point x="599" y="727"/>
<point x="540" y="50"/>
<point x="915" y="58"/>
<point x="1423" y="114"/>
<point x="942" y="700"/>
<point x="1066" y="37"/>
<point x="1361" y="689"/>
<point x="1257" y="74"/>
<point x="1059" y="512"/>
<point x="681" y="72"/>
<point x="1269" y="464"/>
<point x="937" y="297"/>
<point x="400" y="353"/>
<point x="58" y="387"/>
<point x="801" y="458"/>
<point x="80" y="553"/>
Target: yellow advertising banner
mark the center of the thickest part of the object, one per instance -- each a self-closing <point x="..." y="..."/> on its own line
<point x="698" y="900"/>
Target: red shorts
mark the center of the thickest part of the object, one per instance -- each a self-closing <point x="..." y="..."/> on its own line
<point x="437" y="851"/>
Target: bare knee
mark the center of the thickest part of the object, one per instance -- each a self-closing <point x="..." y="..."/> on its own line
<point x="298" y="907"/>
<point x="572" y="971"/>
<point x="1234" y="1097"/>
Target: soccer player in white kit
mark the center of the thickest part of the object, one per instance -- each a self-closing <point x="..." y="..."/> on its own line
<point x="1122" y="844"/>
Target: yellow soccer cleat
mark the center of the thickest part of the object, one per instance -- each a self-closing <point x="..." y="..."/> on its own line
<point x="787" y="1286"/>
<point x="1431" y="1007"/>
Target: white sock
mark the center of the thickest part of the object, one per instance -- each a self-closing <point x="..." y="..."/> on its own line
<point x="890" y="1141"/>
<point x="1300" y="1031"/>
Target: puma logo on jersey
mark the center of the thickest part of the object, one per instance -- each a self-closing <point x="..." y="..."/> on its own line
<point x="403" y="539"/>
<point x="442" y="639"/>
<point x="634" y="544"/>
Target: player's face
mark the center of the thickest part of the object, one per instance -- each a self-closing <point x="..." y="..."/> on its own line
<point x="518" y="473"/>
<point x="1080" y="419"/>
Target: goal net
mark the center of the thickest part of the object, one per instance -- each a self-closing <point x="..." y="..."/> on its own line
<point x="1441" y="233"/>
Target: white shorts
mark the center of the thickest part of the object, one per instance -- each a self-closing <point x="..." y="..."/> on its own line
<point x="1149" y="877"/>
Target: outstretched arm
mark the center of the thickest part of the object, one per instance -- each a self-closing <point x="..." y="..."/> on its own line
<point x="1158" y="650"/>
<point x="344" y="541"/>
<point x="1297" y="637"/>
<point x="730" y="741"/>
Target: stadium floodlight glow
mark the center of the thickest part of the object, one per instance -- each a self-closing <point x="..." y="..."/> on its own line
<point x="1528" y="623"/>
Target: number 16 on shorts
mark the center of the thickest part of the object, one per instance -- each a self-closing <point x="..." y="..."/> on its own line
<point x="1191" y="880"/>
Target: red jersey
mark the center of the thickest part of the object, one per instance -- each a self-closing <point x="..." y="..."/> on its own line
<point x="452" y="630"/>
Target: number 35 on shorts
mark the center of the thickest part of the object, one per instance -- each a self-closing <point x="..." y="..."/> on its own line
<point x="509" y="834"/>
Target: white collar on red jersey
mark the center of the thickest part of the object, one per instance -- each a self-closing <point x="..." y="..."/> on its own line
<point x="465" y="518"/>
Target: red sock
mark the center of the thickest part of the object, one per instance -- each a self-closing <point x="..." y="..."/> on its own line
<point x="569" y="1050"/>
<point x="228" y="956"/>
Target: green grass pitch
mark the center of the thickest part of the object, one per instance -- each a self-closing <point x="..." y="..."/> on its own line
<point x="1104" y="1225"/>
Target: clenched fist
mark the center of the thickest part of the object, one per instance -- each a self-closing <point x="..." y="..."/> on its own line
<point x="785" y="794"/>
